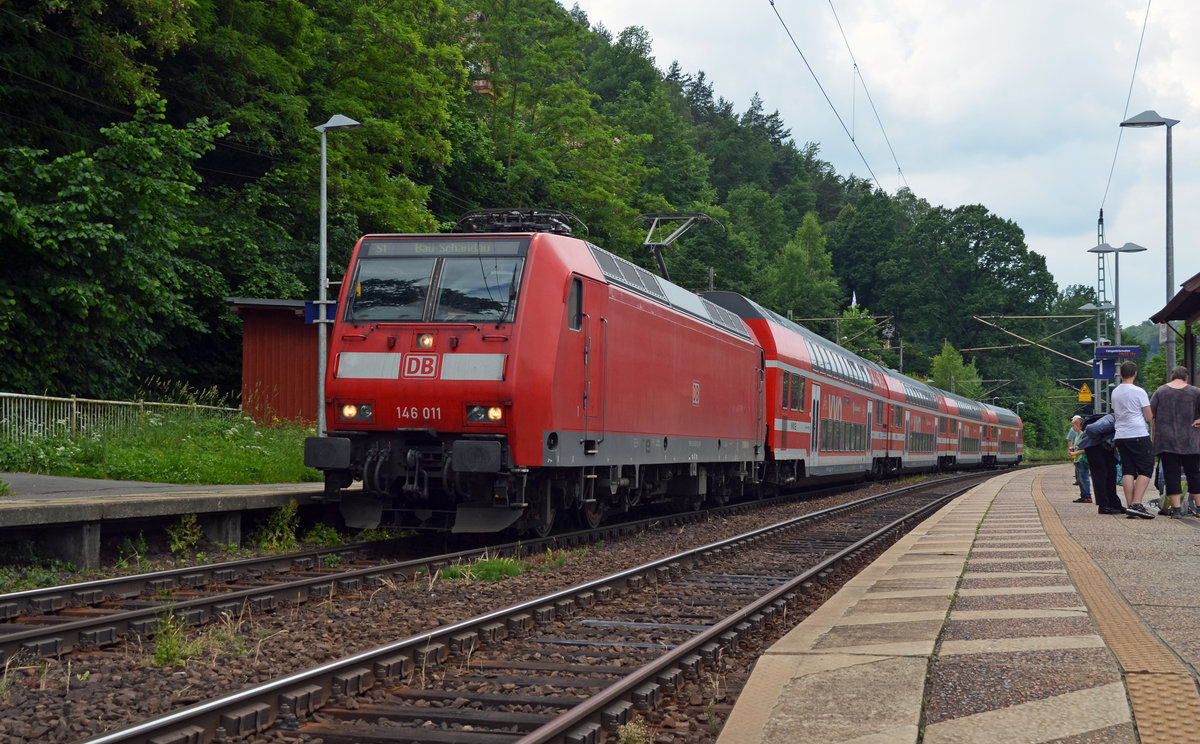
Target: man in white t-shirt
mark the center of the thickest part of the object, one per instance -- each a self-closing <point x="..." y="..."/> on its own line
<point x="1131" y="409"/>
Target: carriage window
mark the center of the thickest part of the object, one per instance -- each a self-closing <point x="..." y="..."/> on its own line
<point x="797" y="393"/>
<point x="575" y="305"/>
<point x="783" y="386"/>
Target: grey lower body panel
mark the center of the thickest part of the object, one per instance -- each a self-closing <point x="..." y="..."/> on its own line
<point x="580" y="449"/>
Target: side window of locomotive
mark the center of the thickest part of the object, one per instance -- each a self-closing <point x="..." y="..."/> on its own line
<point x="575" y="305"/>
<point x="478" y="288"/>
<point x="389" y="289"/>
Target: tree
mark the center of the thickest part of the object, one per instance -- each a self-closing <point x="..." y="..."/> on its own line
<point x="961" y="263"/>
<point x="950" y="373"/>
<point x="70" y="68"/>
<point x="802" y="278"/>
<point x="555" y="149"/>
<point x="861" y="240"/>
<point x="98" y="269"/>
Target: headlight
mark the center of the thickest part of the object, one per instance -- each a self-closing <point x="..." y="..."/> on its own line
<point x="424" y="341"/>
<point x="485" y="415"/>
<point x="356" y="412"/>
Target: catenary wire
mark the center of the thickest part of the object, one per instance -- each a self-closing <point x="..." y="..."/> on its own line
<point x="1128" y="96"/>
<point x="867" y="93"/>
<point x="817" y="80"/>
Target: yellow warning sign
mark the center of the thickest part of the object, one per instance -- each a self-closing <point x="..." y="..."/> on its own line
<point x="1085" y="394"/>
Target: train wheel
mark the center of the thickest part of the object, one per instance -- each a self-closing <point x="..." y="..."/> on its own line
<point x="591" y="514"/>
<point x="542" y="515"/>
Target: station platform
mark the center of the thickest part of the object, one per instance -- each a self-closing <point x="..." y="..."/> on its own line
<point x="1012" y="615"/>
<point x="69" y="516"/>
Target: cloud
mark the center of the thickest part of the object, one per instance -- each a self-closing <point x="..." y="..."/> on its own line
<point x="1014" y="105"/>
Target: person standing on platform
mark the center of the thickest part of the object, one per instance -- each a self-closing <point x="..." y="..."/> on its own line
<point x="1131" y="409"/>
<point x="1096" y="441"/>
<point x="1176" y="409"/>
<point x="1080" y="459"/>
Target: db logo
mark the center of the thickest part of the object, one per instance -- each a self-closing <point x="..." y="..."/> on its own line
<point x="420" y="365"/>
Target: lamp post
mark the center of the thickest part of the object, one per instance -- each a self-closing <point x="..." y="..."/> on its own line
<point x="1127" y="248"/>
<point x="336" y="123"/>
<point x="1019" y="404"/>
<point x="1166" y="333"/>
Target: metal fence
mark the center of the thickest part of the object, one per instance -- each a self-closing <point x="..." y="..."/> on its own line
<point x="38" y="416"/>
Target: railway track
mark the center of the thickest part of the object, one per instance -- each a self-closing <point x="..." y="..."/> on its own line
<point x="61" y="620"/>
<point x="95" y="614"/>
<point x="575" y="664"/>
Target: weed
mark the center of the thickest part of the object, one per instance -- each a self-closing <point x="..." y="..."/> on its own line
<point x="3" y="487"/>
<point x="710" y="716"/>
<point x="634" y="732"/>
<point x="170" y="640"/>
<point x="494" y="569"/>
<point x="376" y="535"/>
<point x="184" y="535"/>
<point x="278" y="533"/>
<point x="385" y="584"/>
<point x="333" y="560"/>
<point x="556" y="559"/>
<point x="324" y="536"/>
<point x="133" y="552"/>
<point x="485" y="569"/>
<point x="16" y="578"/>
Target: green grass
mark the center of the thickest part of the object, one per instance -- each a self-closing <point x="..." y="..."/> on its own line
<point x="485" y="569"/>
<point x="185" y="446"/>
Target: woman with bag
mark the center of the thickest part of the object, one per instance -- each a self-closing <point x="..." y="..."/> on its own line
<point x="1176" y="408"/>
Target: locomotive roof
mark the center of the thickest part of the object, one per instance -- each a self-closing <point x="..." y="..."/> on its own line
<point x="633" y="277"/>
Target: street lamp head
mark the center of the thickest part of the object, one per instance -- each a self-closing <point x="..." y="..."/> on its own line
<point x="1149" y="119"/>
<point x="1131" y="248"/>
<point x="1102" y="248"/>
<point x="337" y="123"/>
<point x="1087" y="340"/>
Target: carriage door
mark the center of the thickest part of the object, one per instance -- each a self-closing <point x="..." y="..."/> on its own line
<point x="868" y="446"/>
<point x="595" y="360"/>
<point x="814" y="444"/>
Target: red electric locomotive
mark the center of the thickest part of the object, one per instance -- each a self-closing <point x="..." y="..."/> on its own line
<point x="509" y="373"/>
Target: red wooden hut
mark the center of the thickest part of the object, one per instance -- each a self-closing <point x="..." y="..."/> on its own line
<point x="279" y="359"/>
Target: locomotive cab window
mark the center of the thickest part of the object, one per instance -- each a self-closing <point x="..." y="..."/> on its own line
<point x="575" y="305"/>
<point x="437" y="279"/>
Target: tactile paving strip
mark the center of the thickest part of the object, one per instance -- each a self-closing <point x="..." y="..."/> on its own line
<point x="1162" y="691"/>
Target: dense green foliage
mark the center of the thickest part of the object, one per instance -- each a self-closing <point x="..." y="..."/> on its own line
<point x="158" y="157"/>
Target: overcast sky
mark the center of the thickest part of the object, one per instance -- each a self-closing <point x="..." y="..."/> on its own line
<point x="1011" y="104"/>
